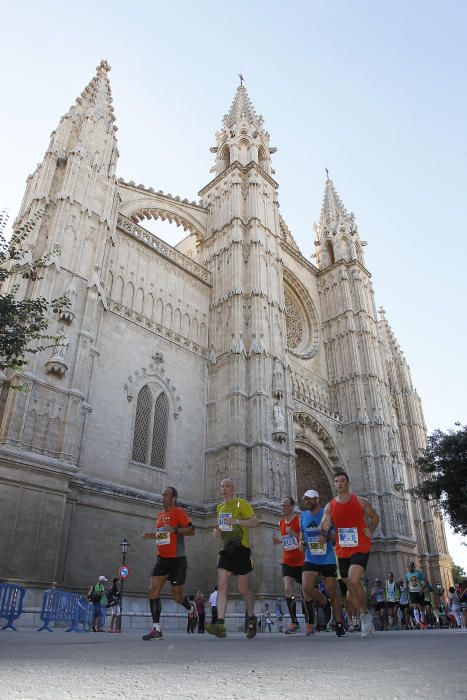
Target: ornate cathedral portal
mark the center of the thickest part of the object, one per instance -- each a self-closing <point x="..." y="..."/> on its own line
<point x="311" y="475"/>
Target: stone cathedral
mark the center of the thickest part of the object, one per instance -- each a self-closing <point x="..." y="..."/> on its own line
<point x="230" y="354"/>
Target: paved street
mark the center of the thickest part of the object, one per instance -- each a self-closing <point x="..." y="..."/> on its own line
<point x="430" y="664"/>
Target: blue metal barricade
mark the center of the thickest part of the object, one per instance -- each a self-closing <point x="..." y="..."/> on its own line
<point x="63" y="606"/>
<point x="11" y="603"/>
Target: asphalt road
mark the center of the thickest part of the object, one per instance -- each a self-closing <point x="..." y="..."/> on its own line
<point x="417" y="664"/>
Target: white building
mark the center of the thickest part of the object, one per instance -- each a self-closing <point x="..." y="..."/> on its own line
<point x="230" y="354"/>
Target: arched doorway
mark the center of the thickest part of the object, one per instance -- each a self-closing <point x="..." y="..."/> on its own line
<point x="311" y="475"/>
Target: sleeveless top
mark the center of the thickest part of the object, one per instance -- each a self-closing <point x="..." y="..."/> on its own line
<point x="349" y="521"/>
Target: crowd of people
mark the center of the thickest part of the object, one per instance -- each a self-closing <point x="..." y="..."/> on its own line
<point x="325" y="552"/>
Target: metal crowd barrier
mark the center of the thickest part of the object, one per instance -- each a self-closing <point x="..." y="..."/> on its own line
<point x="11" y="603"/>
<point x="63" y="606"/>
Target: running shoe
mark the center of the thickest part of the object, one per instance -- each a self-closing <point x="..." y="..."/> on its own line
<point x="292" y="628"/>
<point x="218" y="630"/>
<point x="366" y="622"/>
<point x="340" y="631"/>
<point x="309" y="629"/>
<point x="252" y="627"/>
<point x="153" y="634"/>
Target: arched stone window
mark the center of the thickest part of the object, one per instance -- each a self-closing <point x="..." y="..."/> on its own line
<point x="311" y="475"/>
<point x="151" y="428"/>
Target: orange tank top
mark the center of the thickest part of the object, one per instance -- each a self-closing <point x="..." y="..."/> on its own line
<point x="292" y="555"/>
<point x="349" y="521"/>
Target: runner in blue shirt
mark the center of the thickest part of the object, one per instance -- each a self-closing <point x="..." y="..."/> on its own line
<point x="319" y="559"/>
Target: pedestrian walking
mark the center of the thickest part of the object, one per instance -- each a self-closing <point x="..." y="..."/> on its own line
<point x="98" y="597"/>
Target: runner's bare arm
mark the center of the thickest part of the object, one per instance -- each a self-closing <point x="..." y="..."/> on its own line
<point x="371" y="515"/>
<point x="325" y="523"/>
<point x="187" y="531"/>
<point x="276" y="540"/>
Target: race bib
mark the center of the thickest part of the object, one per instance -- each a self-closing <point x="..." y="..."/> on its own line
<point x="289" y="542"/>
<point x="222" y="524"/>
<point x="348" y="536"/>
<point x="162" y="537"/>
<point x="379" y="597"/>
<point x="317" y="549"/>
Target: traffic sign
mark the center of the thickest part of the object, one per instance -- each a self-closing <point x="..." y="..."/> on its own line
<point x="124" y="571"/>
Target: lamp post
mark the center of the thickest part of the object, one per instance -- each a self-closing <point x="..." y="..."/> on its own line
<point x="124" y="544"/>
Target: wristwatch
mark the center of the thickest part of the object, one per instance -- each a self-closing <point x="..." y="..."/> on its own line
<point x="237" y="522"/>
<point x="175" y="530"/>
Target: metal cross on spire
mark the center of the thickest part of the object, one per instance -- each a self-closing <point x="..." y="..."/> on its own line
<point x="327" y="173"/>
<point x="241" y="79"/>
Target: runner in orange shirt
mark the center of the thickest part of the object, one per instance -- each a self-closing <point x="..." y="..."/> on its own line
<point x="172" y="526"/>
<point x="292" y="557"/>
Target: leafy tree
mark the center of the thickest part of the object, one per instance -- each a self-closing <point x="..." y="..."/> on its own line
<point x="458" y="573"/>
<point x="444" y="466"/>
<point x="23" y="322"/>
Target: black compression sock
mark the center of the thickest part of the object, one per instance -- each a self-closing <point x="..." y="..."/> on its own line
<point x="310" y="612"/>
<point x="292" y="606"/>
<point x="156" y="607"/>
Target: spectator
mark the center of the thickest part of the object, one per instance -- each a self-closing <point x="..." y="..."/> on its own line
<point x="267" y="617"/>
<point x="113" y="603"/>
<point x="98" y="597"/>
<point x="404" y="609"/>
<point x="454" y="607"/>
<point x="192" y="617"/>
<point x="199" y="601"/>
<point x="213" y="604"/>
<point x="279" y="615"/>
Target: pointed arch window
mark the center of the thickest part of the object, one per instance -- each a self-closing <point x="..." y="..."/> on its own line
<point x="151" y="428"/>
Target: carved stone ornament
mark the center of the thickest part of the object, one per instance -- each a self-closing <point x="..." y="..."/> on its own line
<point x="277" y="379"/>
<point x="68" y="314"/>
<point x="156" y="371"/>
<point x="57" y="365"/>
<point x="279" y="434"/>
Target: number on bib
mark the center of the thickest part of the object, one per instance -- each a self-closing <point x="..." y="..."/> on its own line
<point x="348" y="536"/>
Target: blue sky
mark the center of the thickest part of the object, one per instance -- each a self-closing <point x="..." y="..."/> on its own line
<point x="374" y="91"/>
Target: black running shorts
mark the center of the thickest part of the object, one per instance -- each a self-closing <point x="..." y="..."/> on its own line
<point x="359" y="558"/>
<point x="294" y="572"/>
<point x="174" y="568"/>
<point x="237" y="561"/>
<point x="416" y="598"/>
<point x="326" y="570"/>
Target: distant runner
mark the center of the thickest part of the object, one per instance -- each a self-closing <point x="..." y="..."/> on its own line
<point x="292" y="557"/>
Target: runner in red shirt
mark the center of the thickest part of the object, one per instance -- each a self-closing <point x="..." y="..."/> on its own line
<point x="292" y="557"/>
<point x="355" y="522"/>
<point x="172" y="526"/>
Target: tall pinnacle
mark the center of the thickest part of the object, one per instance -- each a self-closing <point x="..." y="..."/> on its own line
<point x="333" y="212"/>
<point x="242" y="109"/>
<point x="242" y="137"/>
<point x="96" y="99"/>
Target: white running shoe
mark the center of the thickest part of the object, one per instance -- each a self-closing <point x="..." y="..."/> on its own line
<point x="366" y="622"/>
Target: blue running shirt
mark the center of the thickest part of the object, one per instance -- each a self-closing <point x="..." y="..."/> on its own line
<point x="322" y="554"/>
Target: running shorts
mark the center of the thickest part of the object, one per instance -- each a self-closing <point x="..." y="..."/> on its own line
<point x="172" y="567"/>
<point x="360" y="558"/>
<point x="237" y="561"/>
<point x="326" y="570"/>
<point x="294" y="572"/>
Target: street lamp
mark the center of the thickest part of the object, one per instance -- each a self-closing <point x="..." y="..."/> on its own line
<point x="124" y="544"/>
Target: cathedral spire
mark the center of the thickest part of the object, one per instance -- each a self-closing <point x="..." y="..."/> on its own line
<point x="242" y="137"/>
<point x="337" y="235"/>
<point x="96" y="99"/>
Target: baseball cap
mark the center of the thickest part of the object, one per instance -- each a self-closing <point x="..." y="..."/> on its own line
<point x="103" y="578"/>
<point x="311" y="493"/>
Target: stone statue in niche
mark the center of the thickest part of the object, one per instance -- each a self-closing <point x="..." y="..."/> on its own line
<point x="277" y="380"/>
<point x="279" y="434"/>
<point x="56" y="364"/>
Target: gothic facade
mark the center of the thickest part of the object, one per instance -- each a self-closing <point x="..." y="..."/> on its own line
<point x="228" y="354"/>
